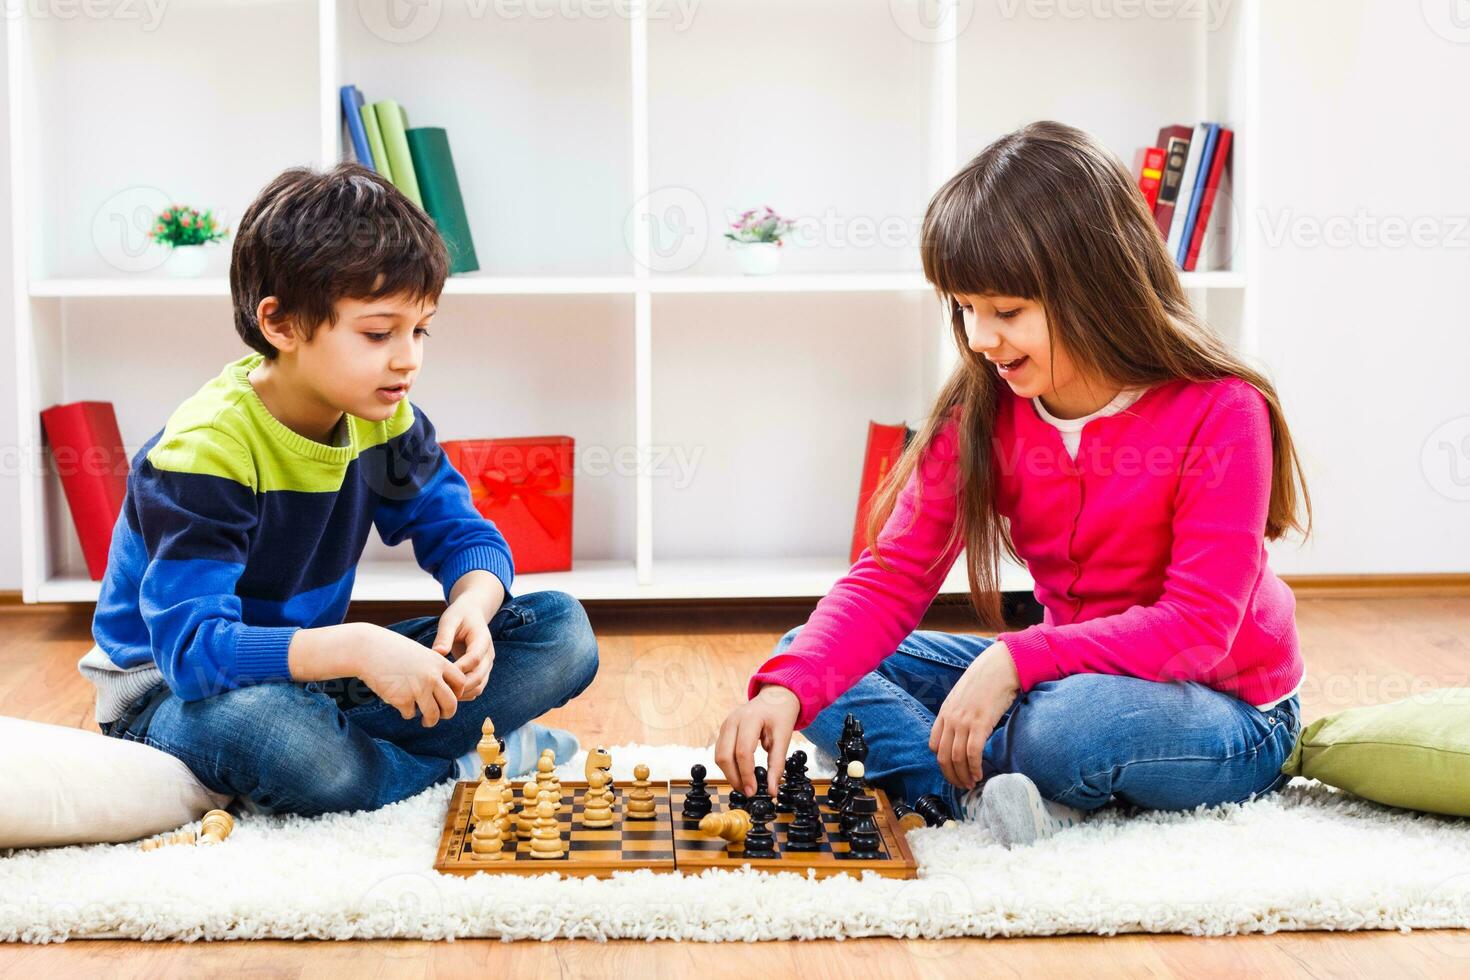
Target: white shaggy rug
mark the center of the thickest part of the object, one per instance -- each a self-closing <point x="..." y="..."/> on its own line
<point x="1305" y="858"/>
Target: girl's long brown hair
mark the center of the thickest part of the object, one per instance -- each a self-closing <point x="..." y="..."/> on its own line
<point x="1046" y="213"/>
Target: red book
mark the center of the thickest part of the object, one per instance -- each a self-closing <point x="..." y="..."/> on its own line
<point x="93" y="465"/>
<point x="885" y="445"/>
<point x="1150" y="166"/>
<point x="1175" y="142"/>
<point x="1207" y="203"/>
<point x="525" y="487"/>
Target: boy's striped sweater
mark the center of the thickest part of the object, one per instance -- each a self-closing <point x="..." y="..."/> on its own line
<point x="237" y="531"/>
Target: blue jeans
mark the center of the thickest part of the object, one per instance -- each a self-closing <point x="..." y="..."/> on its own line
<point x="1081" y="739"/>
<point x="327" y="746"/>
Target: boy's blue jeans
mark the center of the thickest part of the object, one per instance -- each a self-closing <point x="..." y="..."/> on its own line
<point x="1081" y="739"/>
<point x="334" y="745"/>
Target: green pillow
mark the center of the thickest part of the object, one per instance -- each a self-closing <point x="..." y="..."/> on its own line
<point x="1413" y="753"/>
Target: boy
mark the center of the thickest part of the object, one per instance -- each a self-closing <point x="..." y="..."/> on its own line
<point x="219" y="625"/>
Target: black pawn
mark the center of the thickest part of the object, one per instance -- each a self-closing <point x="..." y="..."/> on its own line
<point x="738" y="800"/>
<point x="697" y="803"/>
<point x="933" y="809"/>
<point x="760" y="842"/>
<point x="791" y="779"/>
<point x="863" y="840"/>
<point x="762" y="790"/>
<point x="857" y="789"/>
<point x="805" y="831"/>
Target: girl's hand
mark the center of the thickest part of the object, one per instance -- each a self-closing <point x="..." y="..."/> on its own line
<point x="970" y="713"/>
<point x="769" y="718"/>
<point x="464" y="631"/>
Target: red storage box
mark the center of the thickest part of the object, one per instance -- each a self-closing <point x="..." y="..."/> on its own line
<point x="525" y="486"/>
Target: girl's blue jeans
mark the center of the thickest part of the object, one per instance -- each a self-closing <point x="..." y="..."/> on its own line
<point x="1082" y="739"/>
<point x="327" y="746"/>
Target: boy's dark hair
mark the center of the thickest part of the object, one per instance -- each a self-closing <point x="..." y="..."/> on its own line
<point x="311" y="238"/>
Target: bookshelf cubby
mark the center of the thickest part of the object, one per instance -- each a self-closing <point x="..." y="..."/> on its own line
<point x="600" y="157"/>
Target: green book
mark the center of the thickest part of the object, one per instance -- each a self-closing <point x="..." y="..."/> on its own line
<point x="391" y="119"/>
<point x="375" y="141"/>
<point x="434" y="166"/>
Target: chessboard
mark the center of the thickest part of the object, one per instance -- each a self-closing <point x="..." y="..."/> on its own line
<point x="591" y="853"/>
<point x="668" y="843"/>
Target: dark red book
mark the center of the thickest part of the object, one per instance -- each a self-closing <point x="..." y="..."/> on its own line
<point x="93" y="465"/>
<point x="1207" y="203"/>
<point x="1175" y="142"/>
<point x="885" y="445"/>
<point x="1150" y="166"/>
<point x="524" y="486"/>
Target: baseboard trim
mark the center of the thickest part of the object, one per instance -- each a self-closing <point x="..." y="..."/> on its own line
<point x="1305" y="587"/>
<point x="1368" y="586"/>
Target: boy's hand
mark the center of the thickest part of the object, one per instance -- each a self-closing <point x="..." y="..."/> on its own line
<point x="970" y="713"/>
<point x="464" y="630"/>
<point x="409" y="676"/>
<point x="769" y="718"/>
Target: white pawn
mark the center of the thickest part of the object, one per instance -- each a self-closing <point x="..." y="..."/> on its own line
<point x="546" y="839"/>
<point x="640" y="798"/>
<point x="596" y="807"/>
<point x="486" y="842"/>
<point x="546" y="781"/>
<point x="528" y="810"/>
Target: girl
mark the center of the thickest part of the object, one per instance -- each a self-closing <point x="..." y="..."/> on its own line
<point x="1099" y="431"/>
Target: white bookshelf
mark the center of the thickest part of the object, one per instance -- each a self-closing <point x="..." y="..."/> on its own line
<point x="598" y="157"/>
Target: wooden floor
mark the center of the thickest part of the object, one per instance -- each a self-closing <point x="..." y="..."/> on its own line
<point x="668" y="676"/>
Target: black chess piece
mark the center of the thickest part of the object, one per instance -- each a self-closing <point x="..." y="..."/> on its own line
<point x="760" y="841"/>
<point x="762" y="788"/>
<point x="933" y="809"/>
<point x="837" y="790"/>
<point x="791" y="778"/>
<point x="697" y="801"/>
<point x="863" y="840"/>
<point x="857" y="789"/>
<point x="805" y="831"/>
<point x="738" y="800"/>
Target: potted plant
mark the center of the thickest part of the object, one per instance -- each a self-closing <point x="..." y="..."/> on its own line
<point x="758" y="235"/>
<point x="185" y="231"/>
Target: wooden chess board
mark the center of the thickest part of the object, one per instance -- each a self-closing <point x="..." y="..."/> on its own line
<point x="626" y="845"/>
<point x="667" y="843"/>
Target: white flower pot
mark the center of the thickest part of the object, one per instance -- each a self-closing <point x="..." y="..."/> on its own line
<point x="185" y="261"/>
<point x="758" y="258"/>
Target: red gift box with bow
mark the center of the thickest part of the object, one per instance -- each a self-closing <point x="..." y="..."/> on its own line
<point x="525" y="486"/>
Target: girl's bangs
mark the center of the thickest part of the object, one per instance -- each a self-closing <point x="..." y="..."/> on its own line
<point x="976" y="249"/>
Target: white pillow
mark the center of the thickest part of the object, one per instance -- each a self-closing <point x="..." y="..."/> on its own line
<point x="68" y="786"/>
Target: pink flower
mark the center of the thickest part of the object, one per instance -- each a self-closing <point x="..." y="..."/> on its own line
<point x="185" y="221"/>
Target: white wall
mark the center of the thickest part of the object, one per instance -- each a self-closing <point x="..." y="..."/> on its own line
<point x="1363" y="133"/>
<point x="9" y="436"/>
<point x="1362" y="109"/>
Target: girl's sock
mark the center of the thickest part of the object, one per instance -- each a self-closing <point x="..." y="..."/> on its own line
<point x="522" y="748"/>
<point x="1015" y="813"/>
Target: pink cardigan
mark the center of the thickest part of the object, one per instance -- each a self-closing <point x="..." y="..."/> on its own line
<point x="1148" y="553"/>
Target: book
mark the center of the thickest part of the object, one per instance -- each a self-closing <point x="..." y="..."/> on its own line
<point x="93" y="465"/>
<point x="392" y="120"/>
<point x="1150" y="166"/>
<point x="352" y="102"/>
<point x="439" y="185"/>
<point x="1212" y="188"/>
<point x="886" y="444"/>
<point x="1196" y="195"/>
<point x="375" y="141"/>
<point x="1175" y="141"/>
<point x="1186" y="188"/>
